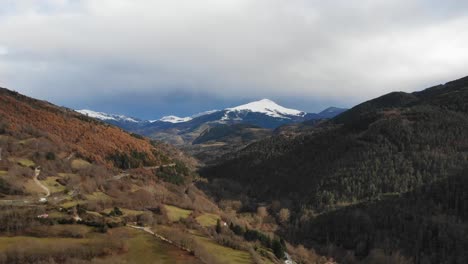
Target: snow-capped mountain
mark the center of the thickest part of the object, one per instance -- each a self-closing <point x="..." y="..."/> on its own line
<point x="205" y="113"/>
<point x="262" y="113"/>
<point x="107" y="117"/>
<point x="267" y="107"/>
<point x="173" y="119"/>
<point x="264" y="106"/>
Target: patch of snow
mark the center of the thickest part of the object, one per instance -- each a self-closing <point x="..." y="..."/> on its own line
<point x="204" y="113"/>
<point x="225" y="117"/>
<point x="175" y="119"/>
<point x="125" y="118"/>
<point x="97" y="115"/>
<point x="105" y="116"/>
<point x="267" y="107"/>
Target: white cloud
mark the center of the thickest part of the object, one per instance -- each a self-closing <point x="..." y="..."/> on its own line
<point x="3" y="50"/>
<point x="260" y="48"/>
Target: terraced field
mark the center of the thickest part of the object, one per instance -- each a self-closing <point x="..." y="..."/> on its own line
<point x="175" y="213"/>
<point x="207" y="219"/>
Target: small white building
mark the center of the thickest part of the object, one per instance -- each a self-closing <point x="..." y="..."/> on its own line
<point x="43" y="216"/>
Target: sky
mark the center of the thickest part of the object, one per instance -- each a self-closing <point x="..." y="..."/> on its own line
<point x="150" y="58"/>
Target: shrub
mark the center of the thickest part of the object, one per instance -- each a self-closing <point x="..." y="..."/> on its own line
<point x="2" y="128"/>
<point x="116" y="212"/>
<point x="125" y="161"/>
<point x="218" y="226"/>
<point x="278" y="249"/>
<point x="50" y="156"/>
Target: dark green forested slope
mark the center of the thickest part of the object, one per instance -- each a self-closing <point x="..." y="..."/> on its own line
<point x="392" y="146"/>
<point x="428" y="224"/>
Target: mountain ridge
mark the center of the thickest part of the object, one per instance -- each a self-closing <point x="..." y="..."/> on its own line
<point x="184" y="130"/>
<point x="360" y="176"/>
<point x="264" y="106"/>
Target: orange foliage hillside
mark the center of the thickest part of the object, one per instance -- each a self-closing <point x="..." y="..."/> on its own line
<point x="92" y="139"/>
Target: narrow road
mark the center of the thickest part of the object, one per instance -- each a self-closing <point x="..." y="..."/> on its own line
<point x="119" y="176"/>
<point x="37" y="172"/>
<point x="70" y="156"/>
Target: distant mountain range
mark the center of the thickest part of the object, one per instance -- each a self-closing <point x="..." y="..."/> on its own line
<point x="179" y="130"/>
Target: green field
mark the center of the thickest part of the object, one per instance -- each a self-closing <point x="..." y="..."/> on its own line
<point x="26" y="141"/>
<point x="140" y="247"/>
<point x="175" y="213"/>
<point x="71" y="175"/>
<point x="23" y="162"/>
<point x="57" y="215"/>
<point x="36" y="244"/>
<point x="78" y="164"/>
<point x="207" y="219"/>
<point x="53" y="185"/>
<point x="69" y="204"/>
<point x="144" y="248"/>
<point x="97" y="196"/>
<point x="224" y="254"/>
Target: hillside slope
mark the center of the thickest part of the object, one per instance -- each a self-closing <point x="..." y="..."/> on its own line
<point x="395" y="144"/>
<point x="79" y="134"/>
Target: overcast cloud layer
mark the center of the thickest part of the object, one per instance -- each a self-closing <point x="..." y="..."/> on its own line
<point x="149" y="58"/>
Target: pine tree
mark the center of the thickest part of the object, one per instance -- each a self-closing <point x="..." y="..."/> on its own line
<point x="218" y="226"/>
<point x="278" y="249"/>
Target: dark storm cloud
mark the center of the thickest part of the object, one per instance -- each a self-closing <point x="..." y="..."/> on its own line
<point x="143" y="57"/>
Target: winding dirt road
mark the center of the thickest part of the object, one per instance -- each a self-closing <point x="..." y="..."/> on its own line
<point x="37" y="172"/>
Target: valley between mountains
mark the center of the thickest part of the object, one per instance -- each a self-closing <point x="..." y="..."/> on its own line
<point x="383" y="182"/>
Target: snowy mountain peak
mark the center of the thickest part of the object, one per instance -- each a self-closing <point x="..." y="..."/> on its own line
<point x="267" y="107"/>
<point x="175" y="119"/>
<point x="205" y="113"/>
<point x="105" y="116"/>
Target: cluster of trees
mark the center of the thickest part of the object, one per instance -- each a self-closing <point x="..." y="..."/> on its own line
<point x="134" y="159"/>
<point x="174" y="174"/>
<point x="3" y="127"/>
<point x="7" y="189"/>
<point x="277" y="245"/>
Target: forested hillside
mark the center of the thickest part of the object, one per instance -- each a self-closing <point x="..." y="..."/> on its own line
<point x="379" y="159"/>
